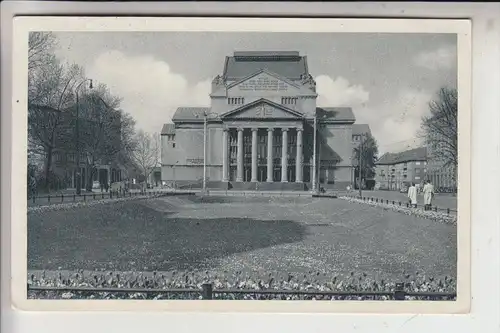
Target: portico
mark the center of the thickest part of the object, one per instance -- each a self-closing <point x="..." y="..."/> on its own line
<point x="262" y="154"/>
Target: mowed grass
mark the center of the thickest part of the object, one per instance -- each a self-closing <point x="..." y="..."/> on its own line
<point x="255" y="235"/>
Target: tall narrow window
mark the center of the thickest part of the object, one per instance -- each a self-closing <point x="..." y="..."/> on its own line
<point x="288" y="100"/>
<point x="236" y="100"/>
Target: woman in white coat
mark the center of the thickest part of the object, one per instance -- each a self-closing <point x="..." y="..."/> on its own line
<point x="428" y="195"/>
<point x="412" y="195"/>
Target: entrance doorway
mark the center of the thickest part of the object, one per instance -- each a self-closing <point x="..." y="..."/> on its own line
<point x="277" y="174"/>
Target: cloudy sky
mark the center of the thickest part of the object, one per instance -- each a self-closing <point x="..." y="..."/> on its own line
<point x="388" y="79"/>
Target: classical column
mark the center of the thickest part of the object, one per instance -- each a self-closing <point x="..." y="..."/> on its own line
<point x="254" y="154"/>
<point x="298" y="159"/>
<point x="239" y="156"/>
<point x="284" y="155"/>
<point x="270" y="154"/>
<point x="225" y="160"/>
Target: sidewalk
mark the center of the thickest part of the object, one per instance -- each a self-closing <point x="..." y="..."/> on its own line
<point x="442" y="202"/>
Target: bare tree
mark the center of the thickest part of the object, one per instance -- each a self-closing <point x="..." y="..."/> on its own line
<point x="50" y="91"/>
<point x="40" y="47"/>
<point x="146" y="154"/>
<point x="105" y="132"/>
<point x="368" y="149"/>
<point x="440" y="128"/>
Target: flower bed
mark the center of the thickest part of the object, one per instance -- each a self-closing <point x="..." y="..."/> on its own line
<point x="432" y="215"/>
<point x="240" y="281"/>
<point x="70" y="205"/>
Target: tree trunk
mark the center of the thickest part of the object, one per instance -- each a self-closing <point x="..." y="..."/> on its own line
<point x="90" y="176"/>
<point x="48" y="165"/>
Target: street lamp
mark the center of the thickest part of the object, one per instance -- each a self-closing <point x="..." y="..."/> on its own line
<point x="77" y="137"/>
<point x="314" y="184"/>
<point x="360" y="164"/>
<point x="205" y="121"/>
<point x="173" y="175"/>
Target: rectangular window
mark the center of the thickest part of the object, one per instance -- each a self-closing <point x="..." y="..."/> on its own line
<point x="417" y="163"/>
<point x="235" y="101"/>
<point x="288" y="100"/>
<point x="417" y="177"/>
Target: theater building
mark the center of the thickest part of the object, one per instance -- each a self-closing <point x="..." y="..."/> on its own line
<point x="259" y="130"/>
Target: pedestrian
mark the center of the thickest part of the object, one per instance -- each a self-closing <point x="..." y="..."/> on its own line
<point x="412" y="195"/>
<point x="428" y="194"/>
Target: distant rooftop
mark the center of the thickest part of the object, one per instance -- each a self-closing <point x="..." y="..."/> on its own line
<point x="168" y="129"/>
<point x="288" y="64"/>
<point x="417" y="154"/>
<point x="335" y="114"/>
<point x="190" y="114"/>
<point x="263" y="55"/>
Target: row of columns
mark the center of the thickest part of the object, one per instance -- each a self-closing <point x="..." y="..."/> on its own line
<point x="284" y="155"/>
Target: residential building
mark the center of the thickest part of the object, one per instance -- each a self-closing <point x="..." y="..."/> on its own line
<point x="397" y="170"/>
<point x="440" y="174"/>
<point x="63" y="163"/>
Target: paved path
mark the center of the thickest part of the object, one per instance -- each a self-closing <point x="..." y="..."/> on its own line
<point x="440" y="200"/>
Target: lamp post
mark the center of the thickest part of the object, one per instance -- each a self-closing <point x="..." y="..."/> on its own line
<point x="173" y="175"/>
<point x="360" y="164"/>
<point x="314" y="184"/>
<point x="77" y="137"/>
<point x="205" y="121"/>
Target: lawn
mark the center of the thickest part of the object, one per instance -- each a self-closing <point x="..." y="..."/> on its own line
<point x="257" y="235"/>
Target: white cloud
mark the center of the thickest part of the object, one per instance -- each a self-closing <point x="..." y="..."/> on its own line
<point x="339" y="92"/>
<point x="400" y="121"/>
<point x="394" y="123"/>
<point x="443" y="58"/>
<point x="151" y="92"/>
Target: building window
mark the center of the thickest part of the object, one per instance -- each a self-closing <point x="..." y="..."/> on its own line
<point x="417" y="177"/>
<point x="417" y="163"/>
<point x="288" y="100"/>
<point x="235" y="100"/>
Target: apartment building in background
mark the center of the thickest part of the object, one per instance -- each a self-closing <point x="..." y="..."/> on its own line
<point x="397" y="170"/>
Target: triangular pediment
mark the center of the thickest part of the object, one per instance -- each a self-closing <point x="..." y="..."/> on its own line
<point x="262" y="109"/>
<point x="264" y="73"/>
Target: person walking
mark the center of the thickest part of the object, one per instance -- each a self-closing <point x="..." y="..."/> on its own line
<point x="428" y="195"/>
<point x="412" y="195"/>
